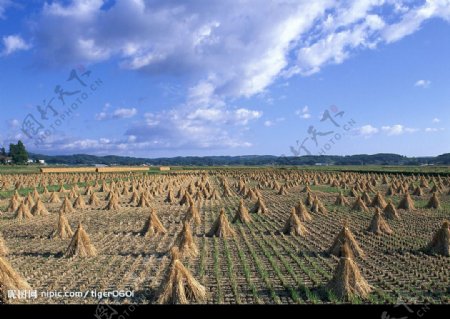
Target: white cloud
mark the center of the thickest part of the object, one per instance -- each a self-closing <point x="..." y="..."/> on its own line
<point x="335" y="47"/>
<point x="434" y="129"/>
<point x="124" y="113"/>
<point x="14" y="43"/>
<point x="79" y="8"/>
<point x="4" y="4"/>
<point x="242" y="46"/>
<point x="222" y="116"/>
<point x="397" y="129"/>
<point x="414" y="17"/>
<point x="121" y="113"/>
<point x="367" y="130"/>
<point x="101" y="116"/>
<point x="242" y="116"/>
<point x="189" y="127"/>
<point x="436" y="120"/>
<point x="129" y="145"/>
<point x="422" y="83"/>
<point x="13" y="124"/>
<point x="225" y="50"/>
<point x="303" y="113"/>
<point x="270" y="123"/>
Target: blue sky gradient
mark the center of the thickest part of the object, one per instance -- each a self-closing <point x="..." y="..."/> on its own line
<point x="229" y="78"/>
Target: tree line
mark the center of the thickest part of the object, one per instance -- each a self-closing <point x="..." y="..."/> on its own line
<point x="18" y="153"/>
<point x="248" y="160"/>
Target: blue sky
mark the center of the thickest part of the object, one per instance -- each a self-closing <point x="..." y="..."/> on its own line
<point x="176" y="78"/>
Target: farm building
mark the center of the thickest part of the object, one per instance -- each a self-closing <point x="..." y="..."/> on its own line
<point x="5" y="159"/>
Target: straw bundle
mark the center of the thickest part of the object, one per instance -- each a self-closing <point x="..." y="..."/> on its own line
<point x="294" y="226"/>
<point x="63" y="230"/>
<point x="179" y="286"/>
<point x="345" y="235"/>
<point x="80" y="245"/>
<point x="221" y="227"/>
<point x="153" y="226"/>
<point x="242" y="214"/>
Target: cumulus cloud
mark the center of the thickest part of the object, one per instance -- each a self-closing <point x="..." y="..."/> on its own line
<point x="217" y="115"/>
<point x="303" y="113"/>
<point x="436" y="120"/>
<point x="13" y="43"/>
<point x="422" y="83"/>
<point x="242" y="47"/>
<point x="124" y="113"/>
<point x="397" y="129"/>
<point x="242" y="116"/>
<point x="101" y="116"/>
<point x="392" y="130"/>
<point x="225" y="50"/>
<point x="269" y="123"/>
<point x="413" y="17"/>
<point x="120" y="113"/>
<point x="335" y="47"/>
<point x="434" y="129"/>
<point x="4" y="4"/>
<point x="187" y="128"/>
<point x="100" y="146"/>
<point x="367" y="130"/>
<point x="203" y="121"/>
<point x="13" y="124"/>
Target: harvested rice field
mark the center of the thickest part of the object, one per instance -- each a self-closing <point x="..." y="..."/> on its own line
<point x="229" y="236"/>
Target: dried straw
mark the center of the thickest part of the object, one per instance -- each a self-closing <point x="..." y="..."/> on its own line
<point x="345" y="235"/>
<point x="153" y="226"/>
<point x="294" y="226"/>
<point x="185" y="241"/>
<point x="179" y="286"/>
<point x="242" y="214"/>
<point x="39" y="209"/>
<point x="221" y="227"/>
<point x="23" y="212"/>
<point x="440" y="244"/>
<point x="347" y="281"/>
<point x="378" y="225"/>
<point x="80" y="245"/>
<point x="406" y="203"/>
<point x="4" y="251"/>
<point x="63" y="230"/>
<point x="10" y="280"/>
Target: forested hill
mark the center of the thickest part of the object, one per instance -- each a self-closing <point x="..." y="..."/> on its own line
<point x="255" y="160"/>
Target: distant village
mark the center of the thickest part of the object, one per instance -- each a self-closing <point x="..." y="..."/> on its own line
<point x="9" y="160"/>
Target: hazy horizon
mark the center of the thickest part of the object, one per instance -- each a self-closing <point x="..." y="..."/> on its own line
<point x="287" y="155"/>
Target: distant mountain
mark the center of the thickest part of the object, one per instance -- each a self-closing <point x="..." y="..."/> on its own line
<point x="250" y="160"/>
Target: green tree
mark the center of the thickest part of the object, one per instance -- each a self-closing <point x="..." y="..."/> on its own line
<point x="2" y="151"/>
<point x="18" y="153"/>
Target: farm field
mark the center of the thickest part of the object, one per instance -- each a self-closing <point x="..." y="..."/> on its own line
<point x="261" y="249"/>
